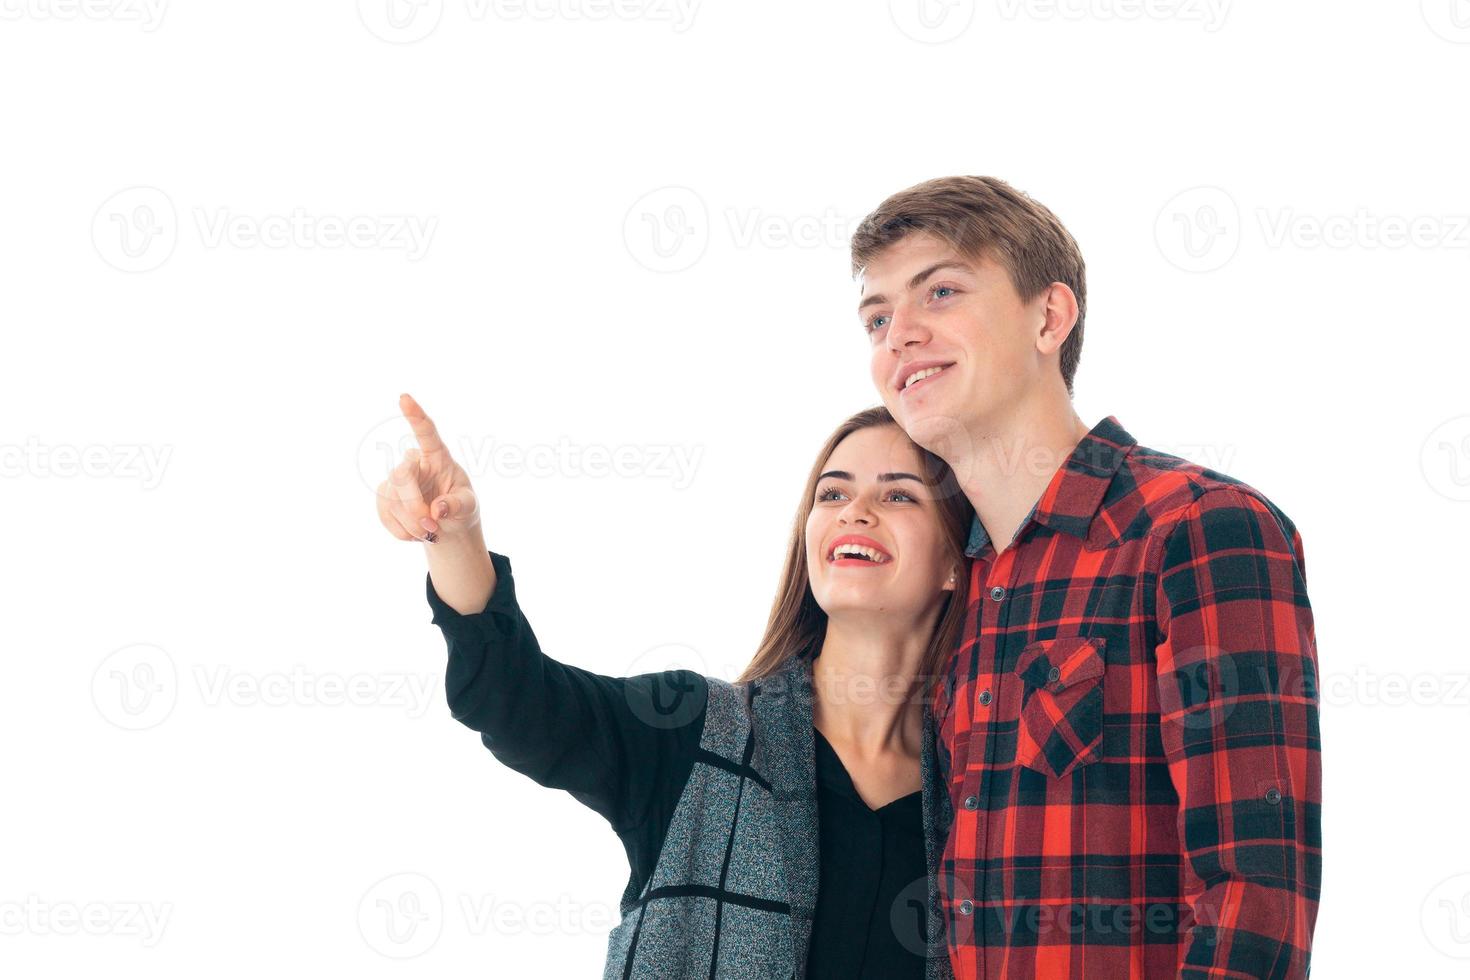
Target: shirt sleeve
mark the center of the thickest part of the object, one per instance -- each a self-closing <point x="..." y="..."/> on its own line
<point x="623" y="746"/>
<point x="1238" y="695"/>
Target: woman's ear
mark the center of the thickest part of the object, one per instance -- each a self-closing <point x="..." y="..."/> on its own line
<point x="950" y="585"/>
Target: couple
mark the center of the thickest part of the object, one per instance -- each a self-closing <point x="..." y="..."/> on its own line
<point x="1033" y="700"/>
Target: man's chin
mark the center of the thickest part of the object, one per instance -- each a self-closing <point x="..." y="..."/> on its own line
<point x="942" y="434"/>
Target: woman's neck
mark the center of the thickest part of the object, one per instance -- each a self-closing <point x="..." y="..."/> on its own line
<point x="866" y="686"/>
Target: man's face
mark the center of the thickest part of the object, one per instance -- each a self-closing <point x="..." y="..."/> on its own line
<point x="926" y="307"/>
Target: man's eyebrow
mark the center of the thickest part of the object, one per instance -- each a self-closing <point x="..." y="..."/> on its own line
<point x="882" y="477"/>
<point x="922" y="275"/>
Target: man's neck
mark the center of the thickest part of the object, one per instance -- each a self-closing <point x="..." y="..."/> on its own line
<point x="1012" y="460"/>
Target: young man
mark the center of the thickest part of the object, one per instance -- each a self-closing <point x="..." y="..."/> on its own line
<point x="1129" y="723"/>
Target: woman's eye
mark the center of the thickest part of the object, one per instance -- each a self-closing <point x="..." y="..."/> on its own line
<point x="828" y="494"/>
<point x="903" y="495"/>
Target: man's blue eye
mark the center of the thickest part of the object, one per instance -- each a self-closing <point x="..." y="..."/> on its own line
<point x="874" y="323"/>
<point x="938" y="288"/>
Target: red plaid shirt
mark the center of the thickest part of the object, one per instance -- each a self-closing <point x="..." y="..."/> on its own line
<point x="1129" y="730"/>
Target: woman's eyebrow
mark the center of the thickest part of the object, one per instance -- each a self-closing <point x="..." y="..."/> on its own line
<point x="882" y="477"/>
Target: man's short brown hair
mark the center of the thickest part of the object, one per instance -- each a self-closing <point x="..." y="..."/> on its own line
<point x="985" y="216"/>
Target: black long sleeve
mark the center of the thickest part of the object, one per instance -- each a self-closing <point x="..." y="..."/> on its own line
<point x="623" y="746"/>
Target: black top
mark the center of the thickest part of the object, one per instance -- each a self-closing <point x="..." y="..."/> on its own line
<point x="870" y="918"/>
<point x="624" y="746"/>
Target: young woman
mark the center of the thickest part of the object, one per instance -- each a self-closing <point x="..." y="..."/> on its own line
<point x="789" y="824"/>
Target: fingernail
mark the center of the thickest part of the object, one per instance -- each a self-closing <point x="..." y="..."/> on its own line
<point x="428" y="525"/>
<point x="443" y="508"/>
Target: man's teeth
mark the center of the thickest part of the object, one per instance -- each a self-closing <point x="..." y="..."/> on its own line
<point x="921" y="375"/>
<point x="872" y="554"/>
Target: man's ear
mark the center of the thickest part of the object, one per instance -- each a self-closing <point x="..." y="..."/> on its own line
<point x="1059" y="306"/>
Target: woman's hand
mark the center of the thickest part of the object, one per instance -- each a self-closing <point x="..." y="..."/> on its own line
<point x="427" y="497"/>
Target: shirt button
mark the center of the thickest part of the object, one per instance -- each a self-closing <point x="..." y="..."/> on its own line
<point x="1273" y="796"/>
<point x="966" y="907"/>
<point x="1054" y="675"/>
<point x="985" y="696"/>
<point x="972" y="803"/>
<point x="997" y="593"/>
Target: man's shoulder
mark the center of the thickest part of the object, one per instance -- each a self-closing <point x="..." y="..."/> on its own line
<point x="1159" y="490"/>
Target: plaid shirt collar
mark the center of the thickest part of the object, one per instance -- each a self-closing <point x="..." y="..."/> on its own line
<point x="1076" y="491"/>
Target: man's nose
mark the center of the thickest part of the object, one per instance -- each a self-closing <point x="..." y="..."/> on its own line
<point x="906" y="329"/>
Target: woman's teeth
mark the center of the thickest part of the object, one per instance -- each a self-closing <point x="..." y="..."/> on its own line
<point x="858" y="551"/>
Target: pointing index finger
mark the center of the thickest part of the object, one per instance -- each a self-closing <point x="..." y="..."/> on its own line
<point x="423" y="428"/>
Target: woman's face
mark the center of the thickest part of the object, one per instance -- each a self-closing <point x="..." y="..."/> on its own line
<point x="873" y="539"/>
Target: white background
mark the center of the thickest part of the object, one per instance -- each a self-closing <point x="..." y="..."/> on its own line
<point x="222" y="702"/>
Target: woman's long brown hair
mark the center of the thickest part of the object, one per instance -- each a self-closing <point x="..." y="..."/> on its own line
<point x="797" y="624"/>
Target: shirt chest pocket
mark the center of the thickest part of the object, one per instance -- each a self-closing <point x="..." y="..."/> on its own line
<point x="1061" y="723"/>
